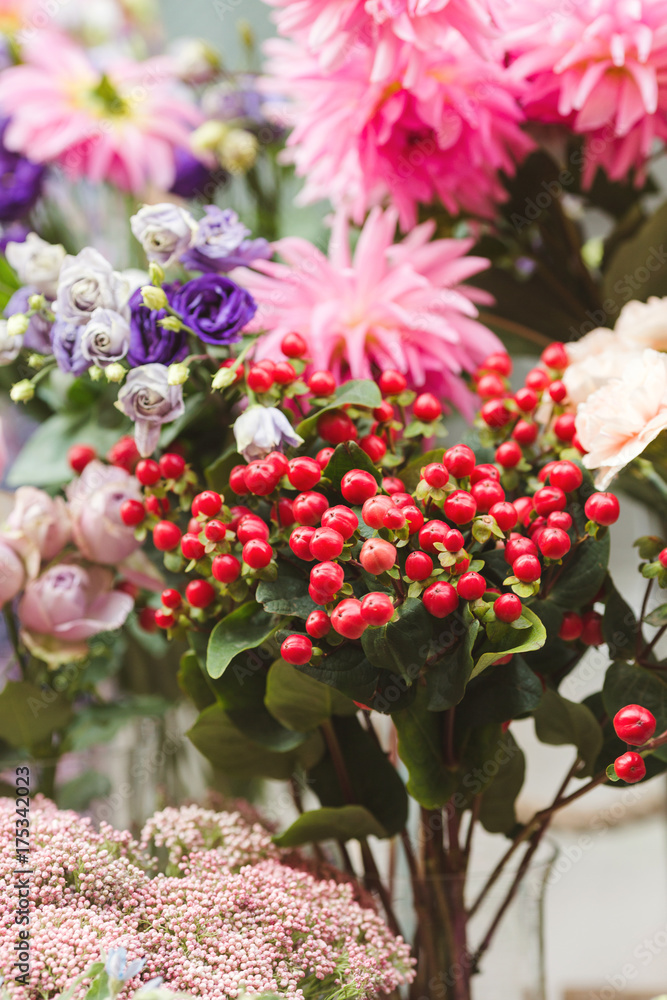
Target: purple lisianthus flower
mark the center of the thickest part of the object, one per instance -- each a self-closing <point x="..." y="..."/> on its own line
<point x="16" y="232"/>
<point x="66" y="347"/>
<point x="215" y="307"/>
<point x="150" y="343"/>
<point x="220" y="243"/>
<point x="20" y="182"/>
<point x="38" y="335"/>
<point x="193" y="178"/>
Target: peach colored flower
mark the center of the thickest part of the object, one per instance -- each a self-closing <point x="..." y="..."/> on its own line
<point x="643" y="324"/>
<point x="596" y="358"/>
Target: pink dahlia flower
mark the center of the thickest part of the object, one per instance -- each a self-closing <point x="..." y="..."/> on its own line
<point x="392" y="305"/>
<point x="599" y="67"/>
<point x="441" y="124"/>
<point x="123" y="126"/>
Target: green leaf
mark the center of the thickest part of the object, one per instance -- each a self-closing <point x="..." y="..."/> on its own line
<point x="347" y="669"/>
<point x="497" y="813"/>
<point x="410" y="474"/>
<point x="43" y="459"/>
<point x="193" y="682"/>
<point x="217" y="473"/>
<point x="30" y="714"/>
<point x="193" y="407"/>
<point x="346" y="457"/>
<point x="225" y="746"/>
<point x="245" y="628"/>
<point x="512" y="641"/>
<point x="288" y="595"/>
<point x="357" y="392"/>
<point x="342" y="823"/>
<point x="100" y="723"/>
<point x="645" y="247"/>
<point x="420" y="749"/>
<point x="559" y="721"/>
<point x="446" y="679"/>
<point x="399" y="646"/>
<point x="78" y="793"/>
<point x="583" y="574"/>
<point x="657" y="617"/>
<point x="619" y="624"/>
<point x="300" y="702"/>
<point x="508" y="691"/>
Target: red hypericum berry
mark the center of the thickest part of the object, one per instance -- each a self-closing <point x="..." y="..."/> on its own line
<point x="394" y="517"/>
<point x="374" y="509"/>
<point x="163" y="619"/>
<point x="377" y="609"/>
<point x="261" y="478"/>
<point x="558" y="391"/>
<point x="536" y="528"/>
<point x="435" y="474"/>
<point x="392" y="383"/>
<point x="374" y="447"/>
<point x="554" y="543"/>
<point x="324" y="456"/>
<point x="319" y="596"/>
<point x="172" y="466"/>
<point x="308" y="508"/>
<point x="460" y="460"/>
<point x="555" y="356"/>
<point x="259" y="379"/>
<point x="549" y="498"/>
<point x="237" y="514"/>
<point x="484" y="471"/>
<point x="526" y="399"/>
<point x="576" y="443"/>
<point x="454" y="540"/>
<point x="426" y="407"/>
<point x="124" y="454"/>
<point x="377" y="555"/>
<point x="525" y="432"/>
<point x="471" y="586"/>
<point x="662" y="558"/>
<point x="499" y="362"/>
<point x="418" y="566"/>
<point x="571" y="626"/>
<point x="293" y="345"/>
<point x="194" y="524"/>
<point x="200" y="593"/>
<point x="346" y="619"/>
<point x="318" y="624"/>
<point x="635" y="725"/>
<point x="566" y="475"/>
<point x="527" y="568"/>
<point x="563" y="427"/>
<point x="284" y="373"/>
<point x="304" y="473"/>
<point x="505" y="514"/>
<point x="559" y="519"/>
<point x="440" y="599"/>
<point x="402" y="499"/>
<point x="537" y="379"/>
<point x="507" y="608"/>
<point x="358" y="486"/>
<point x="414" y="517"/>
<point x="147" y="619"/>
<point x="460" y="507"/>
<point x="490" y="386"/>
<point x="132" y="512"/>
<point x="603" y="508"/>
<point x="508" y="454"/>
<point x="384" y="412"/>
<point x="322" y="383"/>
<point x="432" y="532"/>
<point x="159" y="506"/>
<point x="336" y="427"/>
<point x="524" y="508"/>
<point x="591" y="632"/>
<point x="79" y="456"/>
<point x="545" y="471"/>
<point x="207" y="503"/>
<point x="237" y="480"/>
<point x="226" y="568"/>
<point x="342" y="519"/>
<point x="327" y="577"/>
<point x="282" y="513"/>
<point x="166" y="536"/>
<point x="191" y="547"/>
<point x="326" y="543"/>
<point x="257" y="553"/>
<point x="148" y="472"/>
<point x="296" y="649"/>
<point x="495" y="414"/>
<point x="250" y="527"/>
<point x="278" y="463"/>
<point x="630" y="767"/>
<point x="519" y="545"/>
<point x="486" y="494"/>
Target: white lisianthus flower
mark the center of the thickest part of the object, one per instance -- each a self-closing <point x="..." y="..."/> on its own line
<point x="263" y="429"/>
<point x="37" y="262"/>
<point x="165" y="231"/>
<point x="10" y="344"/>
<point x="106" y="338"/>
<point x="88" y="282"/>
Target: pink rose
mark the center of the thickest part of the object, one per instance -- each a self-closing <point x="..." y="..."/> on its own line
<point x="38" y="527"/>
<point x="95" y="499"/>
<point x="67" y="605"/>
<point x="12" y="573"/>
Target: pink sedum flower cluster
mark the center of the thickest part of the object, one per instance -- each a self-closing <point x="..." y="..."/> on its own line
<point x="228" y="917"/>
<point x="390" y="305"/>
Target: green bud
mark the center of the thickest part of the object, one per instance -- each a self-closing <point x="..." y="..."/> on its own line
<point x="171" y="323"/>
<point x="37" y="302"/>
<point x="95" y="373"/>
<point x="156" y="273"/>
<point x="154" y="297"/>
<point x="177" y="374"/>
<point x="22" y="392"/>
<point x="115" y="372"/>
<point x="208" y="136"/>
<point x="238" y="150"/>
<point x="17" y="325"/>
<point x="36" y="361"/>
<point x="223" y="378"/>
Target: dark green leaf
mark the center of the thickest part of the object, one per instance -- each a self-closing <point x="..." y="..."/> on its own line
<point x="497" y="813"/>
<point x="288" y="595"/>
<point x="657" y="617"/>
<point x="399" y="646"/>
<point x="245" y="628"/>
<point x="507" y="691"/>
<point x="559" y="721"/>
<point x="78" y="793"/>
<point x="646" y="249"/>
<point x="217" y="473"/>
<point x="582" y="575"/>
<point x="446" y="679"/>
<point x="357" y="392"/>
<point x="30" y="714"/>
<point x="511" y="641"/>
<point x="300" y="702"/>
<point x="43" y="459"/>
<point x="619" y="624"/>
<point x="100" y="723"/>
<point x="193" y="682"/>
<point x="346" y="457"/>
<point x="420" y="749"/>
<point x="193" y="407"/>
<point x="342" y="823"/>
<point x="346" y="669"/>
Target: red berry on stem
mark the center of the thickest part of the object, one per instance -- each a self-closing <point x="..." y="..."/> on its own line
<point x="200" y="593"/>
<point x="346" y="619"/>
<point x="327" y="577"/>
<point x="635" y="725"/>
<point x="172" y="466"/>
<point x="440" y="599"/>
<point x="259" y="379"/>
<point x="508" y="608"/>
<point x="571" y="626"/>
<point x="191" y="547"/>
<point x="591" y="632"/>
<point x="148" y="472"/>
<point x="527" y="568"/>
<point x="426" y="407"/>
<point x="318" y="624"/>
<point x="326" y="543"/>
<point x="79" y="456"/>
<point x="603" y="508"/>
<point x="435" y="474"/>
<point x="563" y="427"/>
<point x="460" y="507"/>
<point x="454" y="540"/>
<point x="304" y="473"/>
<point x="505" y="514"/>
<point x="499" y="362"/>
<point x="250" y="527"/>
<point x="163" y="619"/>
<point x="132" y="512"/>
<point x="559" y="519"/>
<point x="283" y="513"/>
<point x="238" y="513"/>
<point x="519" y="545"/>
<point x="566" y="475"/>
<point x="486" y="494"/>
<point x="537" y="379"/>
<point x="171" y="598"/>
<point x="323" y="457"/>
<point x="394" y="517"/>
<point x="207" y="503"/>
<point x="418" y="566"/>
<point x="124" y="453"/>
<point x="322" y="383"/>
<point x="358" y="486"/>
<point x="630" y="767"/>
<point x="342" y="519"/>
<point x="548" y="499"/>
<point x="555" y="356"/>
<point x="166" y="536"/>
<point x="226" y="568"/>
<point x="392" y="383"/>
<point x="384" y="412"/>
<point x="377" y="555"/>
<point x="526" y="399"/>
<point x="490" y="386"/>
<point x="432" y="532"/>
<point x="308" y="508"/>
<point x="296" y="649"/>
<point x="508" y="454"/>
<point x="484" y="471"/>
<point x="377" y="609"/>
<point x="237" y="480"/>
<point x="558" y="391"/>
<point x="374" y="447"/>
<point x="402" y="499"/>
<point x="257" y="553"/>
<point x="293" y="345"/>
<point x="278" y="463"/>
<point x="261" y="478"/>
<point x="525" y="432"/>
<point x="374" y="509"/>
<point x="460" y="460"/>
<point x="157" y="505"/>
<point x="554" y="543"/>
<point x="662" y="556"/>
<point x="495" y="414"/>
<point x="147" y="619"/>
<point x="284" y="373"/>
<point x="471" y="586"/>
<point x="336" y="426"/>
<point x="414" y="517"/>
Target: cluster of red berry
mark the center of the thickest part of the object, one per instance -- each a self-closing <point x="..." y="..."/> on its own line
<point x="635" y="726"/>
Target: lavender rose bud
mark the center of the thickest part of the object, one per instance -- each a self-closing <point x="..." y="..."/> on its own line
<point x="9" y="345"/>
<point x="67" y="605"/>
<point x="12" y="573"/>
<point x="149" y="342"/>
<point x="38" y="527"/>
<point x="149" y="400"/>
<point x="263" y="429"/>
<point x="37" y="263"/>
<point x="105" y="338"/>
<point x="66" y="347"/>
<point x="220" y="243"/>
<point x="38" y="335"/>
<point x="165" y="231"/>
<point x="95" y="499"/>
<point x="88" y="282"/>
<point x="215" y="307"/>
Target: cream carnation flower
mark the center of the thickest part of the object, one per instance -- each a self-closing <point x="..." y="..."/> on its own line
<point x="643" y="324"/>
<point x="596" y="358"/>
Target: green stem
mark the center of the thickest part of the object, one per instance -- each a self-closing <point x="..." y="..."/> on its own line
<point x="13" y="634"/>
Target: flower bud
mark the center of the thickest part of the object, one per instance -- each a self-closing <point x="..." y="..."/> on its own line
<point x="155" y="273"/>
<point x="22" y="392"/>
<point x="36" y="361"/>
<point x="208" y="136"/>
<point x="17" y="324"/>
<point x="36" y="302"/>
<point x="224" y="377"/>
<point x="154" y="297"/>
<point x="115" y="372"/>
<point x="95" y="373"/>
<point x="172" y="323"/>
<point x="177" y="374"/>
<point x="238" y="151"/>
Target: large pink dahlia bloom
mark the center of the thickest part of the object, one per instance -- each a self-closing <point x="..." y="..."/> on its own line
<point x="123" y="126"/>
<point x="392" y="305"/>
<point x="598" y="66"/>
<point x="441" y="124"/>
